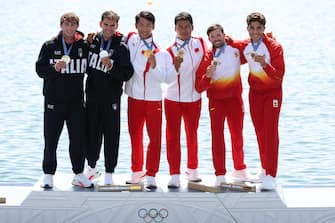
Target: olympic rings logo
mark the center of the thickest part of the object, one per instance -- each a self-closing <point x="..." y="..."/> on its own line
<point x="153" y="215"/>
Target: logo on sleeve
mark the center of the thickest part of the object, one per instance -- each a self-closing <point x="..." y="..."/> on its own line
<point x="57" y="52"/>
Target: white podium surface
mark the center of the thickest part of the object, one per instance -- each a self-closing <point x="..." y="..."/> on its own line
<point x="67" y="203"/>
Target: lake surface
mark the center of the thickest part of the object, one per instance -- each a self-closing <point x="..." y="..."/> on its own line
<point x="307" y="123"/>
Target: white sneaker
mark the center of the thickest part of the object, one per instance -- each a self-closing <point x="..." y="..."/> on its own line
<point x="82" y="181"/>
<point x="258" y="178"/>
<point x="92" y="173"/>
<point x="151" y="182"/>
<point x="240" y="175"/>
<point x="136" y="177"/>
<point x="268" y="183"/>
<point x="220" y="180"/>
<point x="109" y="179"/>
<point x="174" y="182"/>
<point x="47" y="181"/>
<point x="193" y="175"/>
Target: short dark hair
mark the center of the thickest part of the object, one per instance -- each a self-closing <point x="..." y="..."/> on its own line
<point x="110" y="15"/>
<point x="183" y="16"/>
<point x="214" y="27"/>
<point x="256" y="17"/>
<point x="146" y="15"/>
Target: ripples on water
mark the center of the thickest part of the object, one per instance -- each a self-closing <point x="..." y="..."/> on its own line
<point x="307" y="119"/>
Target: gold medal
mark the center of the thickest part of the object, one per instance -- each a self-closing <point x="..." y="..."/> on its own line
<point x="147" y="53"/>
<point x="180" y="53"/>
<point x="103" y="54"/>
<point x="66" y="58"/>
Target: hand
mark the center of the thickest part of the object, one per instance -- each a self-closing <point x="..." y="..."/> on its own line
<point x="260" y="59"/>
<point x="152" y="61"/>
<point x="210" y="70"/>
<point x="177" y="62"/>
<point x="60" y="64"/>
<point x="107" y="62"/>
<point x="91" y="36"/>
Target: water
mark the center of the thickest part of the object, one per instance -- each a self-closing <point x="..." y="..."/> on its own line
<point x="307" y="123"/>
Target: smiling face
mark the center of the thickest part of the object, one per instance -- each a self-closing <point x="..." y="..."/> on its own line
<point x="144" y="27"/>
<point x="109" y="27"/>
<point x="216" y="37"/>
<point x="255" y="30"/>
<point x="69" y="29"/>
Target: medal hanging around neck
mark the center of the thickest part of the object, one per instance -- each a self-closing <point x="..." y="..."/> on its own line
<point x="104" y="52"/>
<point x="255" y="47"/>
<point x="180" y="51"/>
<point x="216" y="61"/>
<point x="148" y="52"/>
<point x="66" y="58"/>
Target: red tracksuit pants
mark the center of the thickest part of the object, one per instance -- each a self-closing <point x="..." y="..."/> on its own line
<point x="264" y="110"/>
<point x="150" y="113"/>
<point x="174" y="112"/>
<point x="231" y="109"/>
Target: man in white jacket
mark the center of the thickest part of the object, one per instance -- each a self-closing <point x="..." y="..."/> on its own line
<point x="182" y="100"/>
<point x="145" y="98"/>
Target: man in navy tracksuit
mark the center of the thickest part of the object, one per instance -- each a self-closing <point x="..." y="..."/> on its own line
<point x="62" y="63"/>
<point x="108" y="67"/>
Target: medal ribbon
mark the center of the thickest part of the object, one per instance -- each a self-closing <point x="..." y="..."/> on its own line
<point x="66" y="50"/>
<point x="149" y="46"/>
<point x="102" y="41"/>
<point x="221" y="50"/>
<point x="255" y="46"/>
<point x="182" y="45"/>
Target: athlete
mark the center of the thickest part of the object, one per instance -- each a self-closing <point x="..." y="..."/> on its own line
<point x="145" y="98"/>
<point x="62" y="63"/>
<point x="182" y="101"/>
<point x="108" y="67"/>
<point x="219" y="75"/>
<point x="265" y="57"/>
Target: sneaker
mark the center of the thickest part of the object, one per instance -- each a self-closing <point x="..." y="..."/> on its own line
<point x="268" y="183"/>
<point x="47" y="181"/>
<point x="136" y="177"/>
<point x="82" y="181"/>
<point x="151" y="182"/>
<point x="240" y="175"/>
<point x="193" y="175"/>
<point x="220" y="180"/>
<point x="109" y="179"/>
<point x="174" y="182"/>
<point x="92" y="173"/>
<point x="259" y="176"/>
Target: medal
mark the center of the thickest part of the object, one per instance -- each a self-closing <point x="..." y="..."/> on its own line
<point x="216" y="62"/>
<point x="180" y="53"/>
<point x="103" y="54"/>
<point x="66" y="58"/>
<point x="220" y="50"/>
<point x="253" y="54"/>
<point x="147" y="53"/>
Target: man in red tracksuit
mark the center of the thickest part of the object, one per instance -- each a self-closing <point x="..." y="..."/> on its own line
<point x="266" y="70"/>
<point x="219" y="74"/>
<point x="182" y="101"/>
